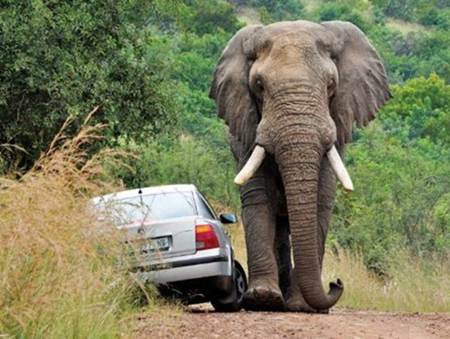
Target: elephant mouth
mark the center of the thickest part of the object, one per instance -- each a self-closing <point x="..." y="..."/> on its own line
<point x="258" y="155"/>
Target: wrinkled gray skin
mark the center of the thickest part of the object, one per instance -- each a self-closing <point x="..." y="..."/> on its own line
<point x="294" y="88"/>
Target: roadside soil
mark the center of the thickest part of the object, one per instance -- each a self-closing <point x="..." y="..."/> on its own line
<point x="200" y="321"/>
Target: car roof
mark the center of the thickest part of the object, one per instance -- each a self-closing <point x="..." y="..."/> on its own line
<point x="184" y="188"/>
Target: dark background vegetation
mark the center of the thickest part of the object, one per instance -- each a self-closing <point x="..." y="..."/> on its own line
<point x="148" y="65"/>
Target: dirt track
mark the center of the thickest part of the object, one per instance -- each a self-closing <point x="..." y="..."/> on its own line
<point x="202" y="322"/>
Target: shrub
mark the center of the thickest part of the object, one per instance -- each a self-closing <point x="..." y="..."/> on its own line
<point x="273" y="10"/>
<point x="340" y="11"/>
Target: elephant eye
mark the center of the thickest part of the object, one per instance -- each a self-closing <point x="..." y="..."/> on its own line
<point x="259" y="85"/>
<point x="331" y="86"/>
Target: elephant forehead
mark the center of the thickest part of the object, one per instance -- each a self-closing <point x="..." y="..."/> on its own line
<point x="301" y="34"/>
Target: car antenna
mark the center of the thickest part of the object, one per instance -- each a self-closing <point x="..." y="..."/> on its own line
<point x="140" y="190"/>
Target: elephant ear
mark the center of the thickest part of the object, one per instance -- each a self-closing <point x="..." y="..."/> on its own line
<point x="363" y="86"/>
<point x="230" y="87"/>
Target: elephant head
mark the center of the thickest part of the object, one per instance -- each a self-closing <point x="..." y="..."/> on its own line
<point x="295" y="90"/>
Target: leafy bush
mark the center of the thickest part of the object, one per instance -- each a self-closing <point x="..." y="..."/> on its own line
<point x="424" y="11"/>
<point x="341" y="11"/>
<point x="281" y="10"/>
<point x="420" y="109"/>
<point x="206" y="16"/>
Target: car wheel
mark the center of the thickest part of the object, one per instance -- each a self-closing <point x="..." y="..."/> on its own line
<point x="239" y="289"/>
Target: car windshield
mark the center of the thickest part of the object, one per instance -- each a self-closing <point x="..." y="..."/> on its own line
<point x="151" y="207"/>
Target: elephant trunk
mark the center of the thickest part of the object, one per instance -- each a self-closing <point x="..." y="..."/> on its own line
<point x="299" y="164"/>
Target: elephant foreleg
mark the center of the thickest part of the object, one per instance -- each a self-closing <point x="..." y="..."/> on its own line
<point x="259" y="223"/>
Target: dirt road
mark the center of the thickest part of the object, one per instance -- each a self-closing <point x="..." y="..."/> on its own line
<point x="202" y="322"/>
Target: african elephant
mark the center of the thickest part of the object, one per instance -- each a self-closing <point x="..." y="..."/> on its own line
<point x="290" y="93"/>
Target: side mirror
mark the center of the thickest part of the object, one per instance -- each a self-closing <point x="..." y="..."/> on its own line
<point x="228" y="218"/>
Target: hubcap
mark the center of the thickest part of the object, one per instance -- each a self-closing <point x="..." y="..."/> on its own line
<point x="240" y="285"/>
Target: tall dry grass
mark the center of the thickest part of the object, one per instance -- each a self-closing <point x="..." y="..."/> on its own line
<point x="412" y="285"/>
<point x="58" y="272"/>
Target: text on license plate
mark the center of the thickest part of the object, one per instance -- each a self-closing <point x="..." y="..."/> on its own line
<point x="156" y="244"/>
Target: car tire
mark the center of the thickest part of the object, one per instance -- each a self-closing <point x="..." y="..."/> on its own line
<point x="239" y="289"/>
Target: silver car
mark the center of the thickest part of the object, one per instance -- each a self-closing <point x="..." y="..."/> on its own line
<point x="181" y="244"/>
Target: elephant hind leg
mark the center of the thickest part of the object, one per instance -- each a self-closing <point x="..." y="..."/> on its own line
<point x="291" y="292"/>
<point x="283" y="253"/>
<point x="294" y="299"/>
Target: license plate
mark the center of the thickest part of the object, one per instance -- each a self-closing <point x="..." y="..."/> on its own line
<point x="156" y="244"/>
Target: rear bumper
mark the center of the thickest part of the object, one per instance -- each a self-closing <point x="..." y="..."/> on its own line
<point x="203" y="264"/>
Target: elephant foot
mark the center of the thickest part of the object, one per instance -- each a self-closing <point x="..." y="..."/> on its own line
<point x="295" y="302"/>
<point x="263" y="298"/>
<point x="298" y="305"/>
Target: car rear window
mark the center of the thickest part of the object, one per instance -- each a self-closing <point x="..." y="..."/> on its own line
<point x="152" y="207"/>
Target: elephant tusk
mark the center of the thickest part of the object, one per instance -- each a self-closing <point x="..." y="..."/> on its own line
<point x="339" y="169"/>
<point x="251" y="166"/>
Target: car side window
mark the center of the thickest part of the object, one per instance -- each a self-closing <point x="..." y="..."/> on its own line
<point x="204" y="209"/>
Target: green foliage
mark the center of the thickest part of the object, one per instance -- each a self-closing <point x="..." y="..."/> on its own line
<point x="183" y="160"/>
<point x="274" y="10"/>
<point x="401" y="9"/>
<point x="208" y="16"/>
<point x="62" y="59"/>
<point x="341" y="11"/>
<point x="420" y="110"/>
<point x="401" y="202"/>
<point x="378" y="16"/>
<point x="404" y="188"/>
<point x="413" y="55"/>
<point x="264" y="16"/>
<point x="427" y="12"/>
<point x="196" y="58"/>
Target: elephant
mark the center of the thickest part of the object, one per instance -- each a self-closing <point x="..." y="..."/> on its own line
<point x="291" y="94"/>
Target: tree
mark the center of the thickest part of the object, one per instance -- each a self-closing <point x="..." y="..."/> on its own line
<point x="62" y="58"/>
<point x="421" y="109"/>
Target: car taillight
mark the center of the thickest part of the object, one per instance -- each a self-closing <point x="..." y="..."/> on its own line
<point x="205" y="237"/>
